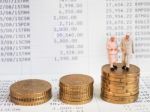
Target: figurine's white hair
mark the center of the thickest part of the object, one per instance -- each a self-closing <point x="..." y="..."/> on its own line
<point x="108" y="39"/>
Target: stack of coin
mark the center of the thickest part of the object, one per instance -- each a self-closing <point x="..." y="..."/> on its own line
<point x="120" y="86"/>
<point x="76" y="89"/>
<point x="30" y="92"/>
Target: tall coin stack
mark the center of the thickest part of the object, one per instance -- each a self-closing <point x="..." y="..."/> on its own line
<point x="30" y="92"/>
<point x="120" y="86"/>
<point x="76" y="89"/>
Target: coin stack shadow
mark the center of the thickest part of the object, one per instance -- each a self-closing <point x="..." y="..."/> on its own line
<point x="120" y="87"/>
<point x="76" y="89"/>
<point x="30" y="92"/>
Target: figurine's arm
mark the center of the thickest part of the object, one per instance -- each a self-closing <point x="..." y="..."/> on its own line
<point x="117" y="46"/>
<point x="107" y="45"/>
<point x="121" y="45"/>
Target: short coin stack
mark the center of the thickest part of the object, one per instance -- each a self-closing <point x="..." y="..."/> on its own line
<point x="120" y="87"/>
<point x="76" y="89"/>
<point x="30" y="92"/>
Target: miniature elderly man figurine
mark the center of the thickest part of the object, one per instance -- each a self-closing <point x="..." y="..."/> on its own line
<point x="112" y="49"/>
<point x="127" y="51"/>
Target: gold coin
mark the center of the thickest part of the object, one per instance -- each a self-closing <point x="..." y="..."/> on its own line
<point x="31" y="99"/>
<point x="29" y="103"/>
<point x="119" y="83"/>
<point x="120" y="101"/>
<point x="76" y="95"/>
<point x="123" y="76"/>
<point x="75" y="98"/>
<point x="119" y="94"/>
<point x="120" y="90"/>
<point x="120" y="79"/>
<point x="76" y="89"/>
<point x="77" y="92"/>
<point x="74" y="80"/>
<point x="134" y="71"/>
<point x="119" y="98"/>
<point x="76" y="102"/>
<point x="31" y="87"/>
<point x="32" y="96"/>
<point x="31" y="90"/>
<point x="120" y="86"/>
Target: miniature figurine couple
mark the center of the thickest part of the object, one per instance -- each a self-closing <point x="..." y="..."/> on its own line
<point x="126" y="49"/>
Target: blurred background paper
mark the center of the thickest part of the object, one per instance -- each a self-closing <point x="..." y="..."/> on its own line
<point x="50" y="38"/>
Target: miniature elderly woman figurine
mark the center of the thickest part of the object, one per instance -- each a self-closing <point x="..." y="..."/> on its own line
<point x="112" y="49"/>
